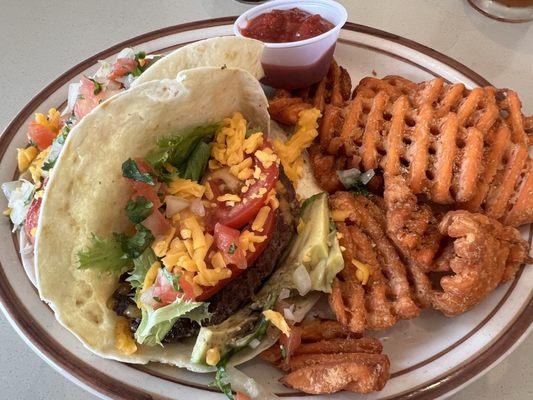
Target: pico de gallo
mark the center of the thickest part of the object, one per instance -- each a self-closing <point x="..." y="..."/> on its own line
<point x="47" y="133"/>
<point x="203" y="207"/>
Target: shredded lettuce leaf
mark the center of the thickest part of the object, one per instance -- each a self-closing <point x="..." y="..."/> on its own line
<point x="195" y="166"/>
<point x="141" y="265"/>
<point x="130" y="170"/>
<point x="103" y="256"/>
<point x="176" y="150"/>
<point x="156" y="324"/>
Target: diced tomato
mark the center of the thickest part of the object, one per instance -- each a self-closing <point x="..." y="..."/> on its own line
<point x="41" y="135"/>
<point x="241" y="396"/>
<point x="224" y="233"/>
<point x="122" y="67"/>
<point x="144" y="189"/>
<point x="226" y="240"/>
<point x="87" y="99"/>
<point x="156" y="223"/>
<point x="242" y="212"/>
<point x="188" y="290"/>
<point x="290" y="343"/>
<point x="164" y="290"/>
<point x="32" y="217"/>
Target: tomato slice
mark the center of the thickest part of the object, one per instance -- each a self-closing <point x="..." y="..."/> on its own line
<point x="40" y="134"/>
<point x="121" y="67"/>
<point x="242" y="212"/>
<point x="32" y="217"/>
<point x="225" y="237"/>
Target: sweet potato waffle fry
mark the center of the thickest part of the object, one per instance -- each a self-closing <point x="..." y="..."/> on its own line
<point x="461" y="147"/>
<point x="450" y="265"/>
<point x="329" y="360"/>
<point x="386" y="296"/>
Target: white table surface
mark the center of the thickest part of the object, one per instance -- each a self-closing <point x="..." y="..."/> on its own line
<point x="40" y="39"/>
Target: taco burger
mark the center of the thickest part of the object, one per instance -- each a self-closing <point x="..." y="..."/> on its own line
<point x="170" y="229"/>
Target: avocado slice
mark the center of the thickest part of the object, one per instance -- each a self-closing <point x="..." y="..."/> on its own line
<point x="223" y="334"/>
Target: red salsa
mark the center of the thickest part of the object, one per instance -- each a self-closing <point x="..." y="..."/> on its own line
<point x="281" y="26"/>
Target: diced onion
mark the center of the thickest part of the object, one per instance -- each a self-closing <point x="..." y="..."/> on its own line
<point x="349" y="177"/>
<point x="175" y="204"/>
<point x="288" y="313"/>
<point x="254" y="343"/>
<point x="147" y="297"/>
<point x="302" y="280"/>
<point x="197" y="207"/>
<point x="284" y="294"/>
<point x="127" y="52"/>
<point x="73" y="91"/>
<point x="366" y="176"/>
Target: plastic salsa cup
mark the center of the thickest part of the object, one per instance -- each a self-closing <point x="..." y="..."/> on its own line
<point x="298" y="64"/>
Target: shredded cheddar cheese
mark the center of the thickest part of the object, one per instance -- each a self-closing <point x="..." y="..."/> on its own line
<point x="161" y="243"/>
<point x="25" y="157"/>
<point x="52" y="121"/>
<point x="290" y="152"/>
<point x="260" y="219"/>
<point x="340" y="215"/>
<point x="363" y="271"/>
<point x="185" y="188"/>
<point x="149" y="279"/>
<point x="229" y="197"/>
<point x="124" y="341"/>
<point x="276" y="319"/>
<point x="247" y="240"/>
<point x="36" y="166"/>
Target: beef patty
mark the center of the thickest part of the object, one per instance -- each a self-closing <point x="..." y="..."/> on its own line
<point x="239" y="291"/>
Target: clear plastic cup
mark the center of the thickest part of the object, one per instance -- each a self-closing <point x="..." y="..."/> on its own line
<point x="298" y="64"/>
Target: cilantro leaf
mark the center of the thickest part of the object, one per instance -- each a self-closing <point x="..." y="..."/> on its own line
<point x="195" y="166"/>
<point x="138" y="209"/>
<point x="222" y="382"/>
<point x="130" y="170"/>
<point x="141" y="265"/>
<point x="104" y="256"/>
<point x="135" y="245"/>
<point x="97" y="86"/>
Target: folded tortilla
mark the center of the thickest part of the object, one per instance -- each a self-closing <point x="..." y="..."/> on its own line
<point x="228" y="51"/>
<point x="87" y="193"/>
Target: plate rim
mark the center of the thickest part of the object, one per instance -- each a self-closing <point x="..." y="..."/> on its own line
<point x="105" y="385"/>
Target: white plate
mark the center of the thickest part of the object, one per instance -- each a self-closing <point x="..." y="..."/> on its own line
<point x="431" y="356"/>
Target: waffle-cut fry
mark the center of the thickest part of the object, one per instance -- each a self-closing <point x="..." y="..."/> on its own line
<point x="456" y="146"/>
<point x="285" y="109"/>
<point x="387" y="296"/>
<point x="330" y="373"/>
<point x="411" y="226"/>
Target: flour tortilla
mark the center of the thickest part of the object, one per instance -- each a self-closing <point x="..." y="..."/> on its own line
<point x="229" y="51"/>
<point x="86" y="194"/>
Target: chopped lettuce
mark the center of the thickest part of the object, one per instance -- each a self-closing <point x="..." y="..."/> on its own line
<point x="141" y="265"/>
<point x="195" y="165"/>
<point x="104" y="256"/>
<point x="19" y="195"/>
<point x="176" y="150"/>
<point x="138" y="209"/>
<point x="155" y="324"/>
